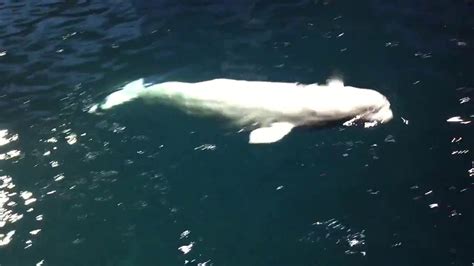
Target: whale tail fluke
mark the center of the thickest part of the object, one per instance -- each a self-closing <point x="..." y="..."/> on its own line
<point x="129" y="92"/>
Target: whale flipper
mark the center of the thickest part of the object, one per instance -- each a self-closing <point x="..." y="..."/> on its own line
<point x="273" y="133"/>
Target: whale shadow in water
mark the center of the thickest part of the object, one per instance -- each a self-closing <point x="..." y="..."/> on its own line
<point x="178" y="119"/>
<point x="174" y="121"/>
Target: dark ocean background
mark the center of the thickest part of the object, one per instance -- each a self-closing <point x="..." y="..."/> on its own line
<point x="143" y="184"/>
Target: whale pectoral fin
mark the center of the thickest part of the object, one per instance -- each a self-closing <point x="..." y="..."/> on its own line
<point x="273" y="133"/>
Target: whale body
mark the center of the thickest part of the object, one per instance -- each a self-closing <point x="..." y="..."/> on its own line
<point x="270" y="109"/>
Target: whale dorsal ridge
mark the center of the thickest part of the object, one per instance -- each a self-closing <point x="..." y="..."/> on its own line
<point x="335" y="83"/>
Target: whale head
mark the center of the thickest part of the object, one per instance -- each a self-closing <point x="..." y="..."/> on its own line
<point x="358" y="103"/>
<point x="380" y="114"/>
<point x="370" y="106"/>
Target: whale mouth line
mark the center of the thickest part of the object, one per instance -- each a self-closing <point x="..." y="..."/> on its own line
<point x="372" y="117"/>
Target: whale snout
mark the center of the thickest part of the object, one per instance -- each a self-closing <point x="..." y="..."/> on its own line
<point x="383" y="115"/>
<point x="382" y="112"/>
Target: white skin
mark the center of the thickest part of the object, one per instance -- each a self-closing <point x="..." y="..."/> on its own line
<point x="263" y="103"/>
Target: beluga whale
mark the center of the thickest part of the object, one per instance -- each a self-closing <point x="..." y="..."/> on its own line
<point x="269" y="110"/>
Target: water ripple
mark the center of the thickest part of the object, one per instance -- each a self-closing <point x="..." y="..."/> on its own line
<point x="144" y="184"/>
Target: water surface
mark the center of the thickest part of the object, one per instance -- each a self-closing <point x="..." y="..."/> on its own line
<point x="146" y="184"/>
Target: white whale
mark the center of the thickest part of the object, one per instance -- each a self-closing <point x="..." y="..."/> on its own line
<point x="271" y="109"/>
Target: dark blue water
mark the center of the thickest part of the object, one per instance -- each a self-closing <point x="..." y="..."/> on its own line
<point x="132" y="186"/>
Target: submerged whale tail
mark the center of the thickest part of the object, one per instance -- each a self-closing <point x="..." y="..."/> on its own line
<point x="129" y="92"/>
